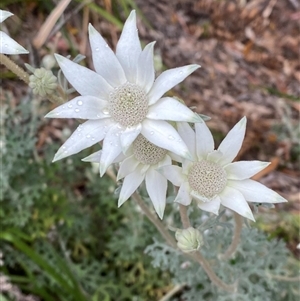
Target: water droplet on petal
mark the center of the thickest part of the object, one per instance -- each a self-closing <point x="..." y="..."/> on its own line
<point x="70" y="105"/>
<point x="151" y="133"/>
<point x="5" y="45"/>
<point x="88" y="136"/>
<point x="180" y="72"/>
<point x="93" y="138"/>
<point x="105" y="111"/>
<point x="171" y="137"/>
<point x="97" y="49"/>
<point x="58" y="113"/>
<point x="106" y="45"/>
<point x="77" y="110"/>
<point x="79" y="102"/>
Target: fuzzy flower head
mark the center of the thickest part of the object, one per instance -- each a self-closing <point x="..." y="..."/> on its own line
<point x="140" y="163"/>
<point x="211" y="179"/>
<point x="42" y="82"/>
<point x="121" y="99"/>
<point x="189" y="240"/>
<point x="7" y="44"/>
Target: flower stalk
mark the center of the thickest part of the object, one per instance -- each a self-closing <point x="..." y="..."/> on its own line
<point x="155" y="221"/>
<point x="13" y="67"/>
<point x="236" y="237"/>
<point x="184" y="216"/>
<point x="231" y="288"/>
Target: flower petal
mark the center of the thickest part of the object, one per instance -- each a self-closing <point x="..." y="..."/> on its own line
<point x="10" y="46"/>
<point x="94" y="157"/>
<point x="86" y="135"/>
<point x="130" y="185"/>
<point x="235" y="200"/>
<point x="4" y="14"/>
<point x="127" y="166"/>
<point x="105" y="61"/>
<point x="173" y="174"/>
<point x="232" y="143"/>
<point x="145" y="68"/>
<point x="129" y="48"/>
<point x="188" y="136"/>
<point x="129" y="135"/>
<point x="204" y="140"/>
<point x="165" y="136"/>
<point x="256" y="192"/>
<point x="244" y="169"/>
<point x="111" y="148"/>
<point x="212" y="206"/>
<point x="167" y="80"/>
<point x="168" y="108"/>
<point x="166" y="161"/>
<point x="84" y="80"/>
<point x="183" y="196"/>
<point x="156" y="186"/>
<point x="82" y="107"/>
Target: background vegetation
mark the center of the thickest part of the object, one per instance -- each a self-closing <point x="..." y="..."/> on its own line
<point x="62" y="235"/>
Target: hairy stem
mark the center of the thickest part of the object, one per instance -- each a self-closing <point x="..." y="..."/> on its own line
<point x="155" y="221"/>
<point x="231" y="288"/>
<point x="24" y="76"/>
<point x="236" y="237"/>
<point x="12" y="66"/>
<point x="184" y="216"/>
<point x="171" y="241"/>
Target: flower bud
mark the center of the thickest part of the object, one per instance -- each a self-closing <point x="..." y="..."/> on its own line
<point x="42" y="82"/>
<point x="189" y="240"/>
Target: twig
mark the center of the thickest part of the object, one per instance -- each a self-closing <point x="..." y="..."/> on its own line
<point x="177" y="288"/>
<point x="46" y="28"/>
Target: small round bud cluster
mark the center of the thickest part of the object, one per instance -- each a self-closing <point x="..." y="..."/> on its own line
<point x="207" y="178"/>
<point x="189" y="240"/>
<point x="42" y="82"/>
<point x="128" y="104"/>
<point x="146" y="152"/>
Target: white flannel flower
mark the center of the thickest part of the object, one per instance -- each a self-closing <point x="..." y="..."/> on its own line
<point x="121" y="99"/>
<point x="7" y="44"/>
<point x="140" y="164"/>
<point x="211" y="179"/>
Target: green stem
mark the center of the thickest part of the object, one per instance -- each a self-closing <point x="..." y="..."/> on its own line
<point x="236" y="237"/>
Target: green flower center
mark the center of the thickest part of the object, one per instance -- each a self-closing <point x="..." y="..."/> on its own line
<point x="207" y="178"/>
<point x="128" y="104"/>
<point x="146" y="152"/>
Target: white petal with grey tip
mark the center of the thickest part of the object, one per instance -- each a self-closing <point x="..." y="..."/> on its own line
<point x="84" y="80"/>
<point x="168" y="108"/>
<point x="86" y="135"/>
<point x="167" y="80"/>
<point x="165" y="136"/>
<point x="82" y="107"/>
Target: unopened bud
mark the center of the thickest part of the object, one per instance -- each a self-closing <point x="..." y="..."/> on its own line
<point x="189" y="240"/>
<point x="42" y="82"/>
